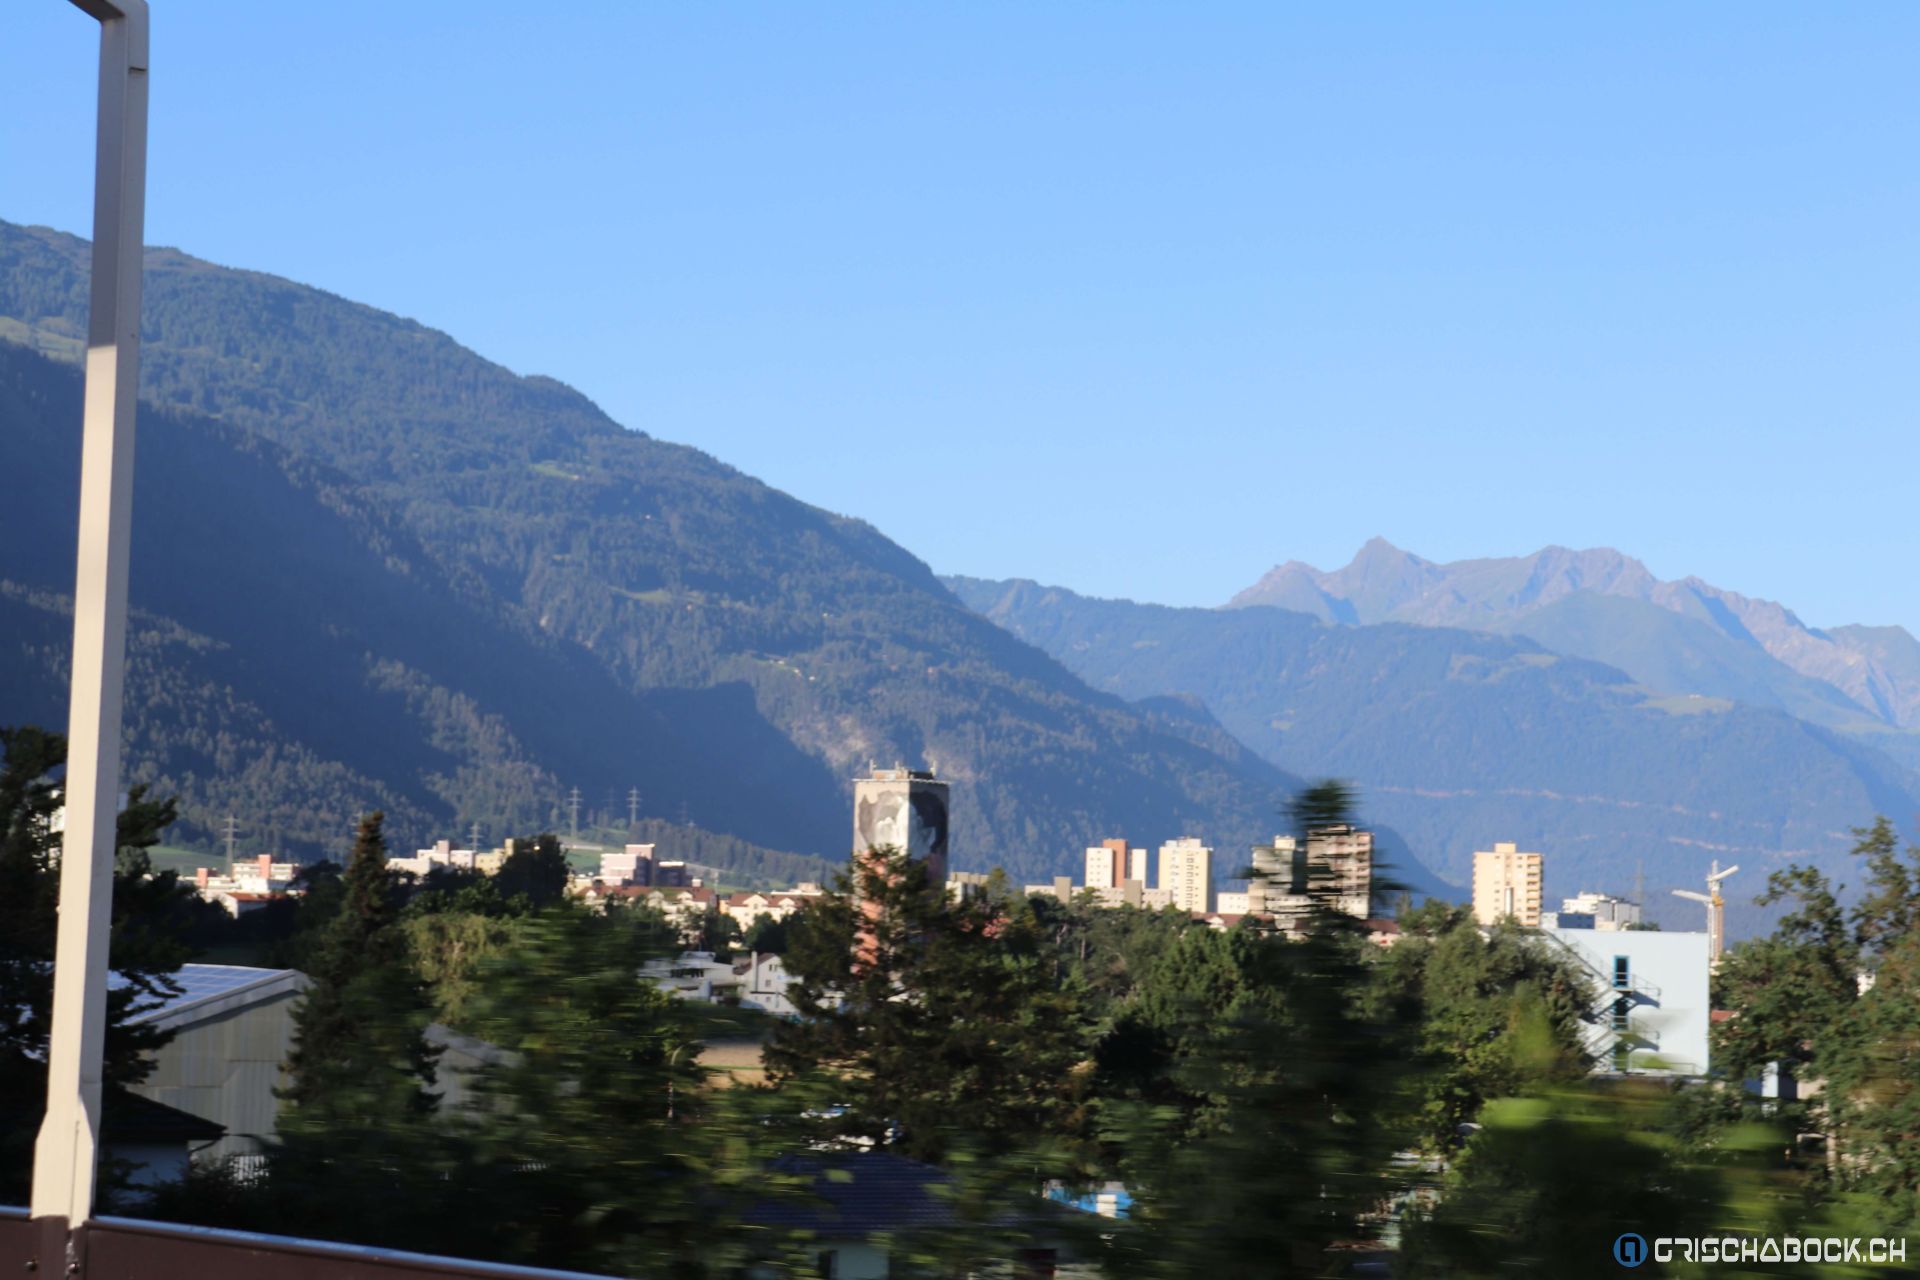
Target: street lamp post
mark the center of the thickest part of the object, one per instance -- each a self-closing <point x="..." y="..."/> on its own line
<point x="66" y="1153"/>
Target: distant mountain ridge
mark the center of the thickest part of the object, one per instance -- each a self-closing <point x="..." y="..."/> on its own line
<point x="1458" y="738"/>
<point x="1584" y="603"/>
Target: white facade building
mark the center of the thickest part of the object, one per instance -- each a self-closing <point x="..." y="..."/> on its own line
<point x="443" y="854"/>
<point x="766" y="986"/>
<point x="1186" y="874"/>
<point x="1605" y="911"/>
<point x="1653" y="1014"/>
<point x="1101" y="871"/>
<point x="694" y="975"/>
<point x="253" y="883"/>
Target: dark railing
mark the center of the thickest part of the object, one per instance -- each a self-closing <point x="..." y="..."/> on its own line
<point x="133" y="1249"/>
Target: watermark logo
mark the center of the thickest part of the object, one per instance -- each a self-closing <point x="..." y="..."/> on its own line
<point x="1631" y="1249"/>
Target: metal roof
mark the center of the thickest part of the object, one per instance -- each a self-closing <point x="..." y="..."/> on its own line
<point x="210" y="990"/>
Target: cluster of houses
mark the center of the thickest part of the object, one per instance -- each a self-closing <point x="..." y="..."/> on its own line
<point x="635" y="877"/>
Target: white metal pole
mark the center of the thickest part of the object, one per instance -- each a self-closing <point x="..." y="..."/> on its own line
<point x="65" y="1155"/>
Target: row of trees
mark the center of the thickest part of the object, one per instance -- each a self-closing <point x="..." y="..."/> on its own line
<point x="1271" y="1103"/>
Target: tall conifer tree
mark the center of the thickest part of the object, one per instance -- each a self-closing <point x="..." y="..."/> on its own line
<point x="359" y="1057"/>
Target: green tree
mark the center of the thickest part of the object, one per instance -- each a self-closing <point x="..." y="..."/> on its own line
<point x="1472" y="994"/>
<point x="767" y="936"/>
<point x="714" y="931"/>
<point x="939" y="1023"/>
<point x="359" y="1060"/>
<point x="585" y="1141"/>
<point x="1330" y="802"/>
<point x="536" y="870"/>
<point x="1888" y="910"/>
<point x="1295" y="1149"/>
<point x="1832" y="997"/>
<point x="1787" y="990"/>
<point x="1553" y="1178"/>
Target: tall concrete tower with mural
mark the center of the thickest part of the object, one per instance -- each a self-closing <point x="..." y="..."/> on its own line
<point x="903" y="809"/>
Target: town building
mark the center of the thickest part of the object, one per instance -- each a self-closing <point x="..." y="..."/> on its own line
<point x="1107" y="865"/>
<point x="766" y="986"/>
<point x="695" y="975"/>
<point x="1600" y="911"/>
<point x="443" y="856"/>
<point x="745" y="908"/>
<point x="1186" y="873"/>
<point x="904" y="810"/>
<point x="1653" y="1014"/>
<point x="1506" y="882"/>
<point x="901" y="812"/>
<point x="962" y="885"/>
<point x="1331" y="870"/>
<point x="250" y="885"/>
<point x="1061" y="887"/>
<point x="632" y="865"/>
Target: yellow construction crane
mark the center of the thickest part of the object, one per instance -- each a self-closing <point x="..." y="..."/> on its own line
<point x="1716" y="908"/>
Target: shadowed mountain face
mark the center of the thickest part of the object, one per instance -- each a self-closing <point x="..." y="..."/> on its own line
<point x="1459" y="738"/>
<point x="376" y="568"/>
<point x="1685" y="637"/>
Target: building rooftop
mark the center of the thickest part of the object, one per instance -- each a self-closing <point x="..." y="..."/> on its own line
<point x="207" y="990"/>
<point x="898" y="774"/>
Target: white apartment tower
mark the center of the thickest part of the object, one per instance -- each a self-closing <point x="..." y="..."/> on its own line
<point x="1186" y="873"/>
<point x="1107" y="865"/>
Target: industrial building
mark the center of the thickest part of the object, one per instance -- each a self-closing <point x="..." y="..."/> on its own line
<point x="233" y="1030"/>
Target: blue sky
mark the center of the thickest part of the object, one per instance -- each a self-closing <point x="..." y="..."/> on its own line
<point x="1143" y="299"/>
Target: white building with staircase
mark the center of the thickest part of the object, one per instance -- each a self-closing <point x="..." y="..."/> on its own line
<point x="1652" y="1013"/>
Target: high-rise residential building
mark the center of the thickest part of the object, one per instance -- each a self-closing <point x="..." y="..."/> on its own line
<point x="1107" y="865"/>
<point x="1137" y="866"/>
<point x="1186" y="873"/>
<point x="1333" y="869"/>
<point x="904" y="810"/>
<point x="1506" y="882"/>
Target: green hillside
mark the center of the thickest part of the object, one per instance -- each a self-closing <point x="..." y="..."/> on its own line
<point x="397" y="573"/>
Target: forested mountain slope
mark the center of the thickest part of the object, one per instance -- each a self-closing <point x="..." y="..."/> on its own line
<point x="461" y="591"/>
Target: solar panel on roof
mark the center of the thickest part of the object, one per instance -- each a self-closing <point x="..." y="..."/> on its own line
<point x="202" y="982"/>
